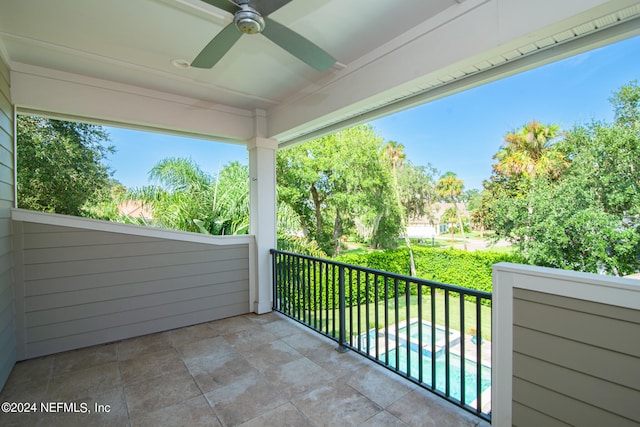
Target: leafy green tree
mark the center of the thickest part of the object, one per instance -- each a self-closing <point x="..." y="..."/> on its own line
<point x="60" y="165"/>
<point x="417" y="191"/>
<point x="589" y="219"/>
<point x="580" y="210"/>
<point x="395" y="156"/>
<point x="335" y="180"/>
<point x="527" y="154"/>
<point x="186" y="198"/>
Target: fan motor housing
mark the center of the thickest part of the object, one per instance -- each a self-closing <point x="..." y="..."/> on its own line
<point x="248" y="20"/>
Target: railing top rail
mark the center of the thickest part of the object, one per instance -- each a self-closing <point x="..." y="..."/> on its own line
<point x="454" y="288"/>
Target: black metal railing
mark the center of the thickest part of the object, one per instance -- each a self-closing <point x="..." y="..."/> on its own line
<point x="436" y="335"/>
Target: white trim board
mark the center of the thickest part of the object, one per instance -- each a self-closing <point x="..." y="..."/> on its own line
<point x="136" y="230"/>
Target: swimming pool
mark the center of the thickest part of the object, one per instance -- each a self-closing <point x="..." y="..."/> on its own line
<point x="427" y="333"/>
<point x="455" y="371"/>
<point x="424" y="354"/>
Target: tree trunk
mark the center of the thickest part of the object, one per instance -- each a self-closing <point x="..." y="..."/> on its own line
<point x="403" y="224"/>
<point x="337" y="232"/>
<point x="318" y="211"/>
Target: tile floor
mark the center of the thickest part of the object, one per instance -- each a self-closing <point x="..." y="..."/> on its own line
<point x="248" y="370"/>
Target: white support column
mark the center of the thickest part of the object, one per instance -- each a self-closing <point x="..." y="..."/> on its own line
<point x="262" y="173"/>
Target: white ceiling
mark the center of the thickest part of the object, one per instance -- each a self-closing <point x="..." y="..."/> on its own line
<point x="387" y="50"/>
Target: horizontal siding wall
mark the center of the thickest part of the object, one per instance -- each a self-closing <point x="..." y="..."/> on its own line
<point x="7" y="325"/>
<point x="78" y="287"/>
<point x="575" y="362"/>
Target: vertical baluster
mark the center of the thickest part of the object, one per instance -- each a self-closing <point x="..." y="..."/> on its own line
<point x="359" y="303"/>
<point x="287" y="302"/>
<point x="396" y="307"/>
<point x="350" y="302"/>
<point x="326" y="295"/>
<point x="386" y="320"/>
<point x="478" y="354"/>
<point x="376" y="312"/>
<point x="335" y="300"/>
<point x="408" y="322"/>
<point x="342" y="312"/>
<point x="367" y="313"/>
<point x="433" y="337"/>
<point x="322" y="293"/>
<point x="447" y="344"/>
<point x="420" y="327"/>
<point x="314" y="293"/>
<point x="463" y="357"/>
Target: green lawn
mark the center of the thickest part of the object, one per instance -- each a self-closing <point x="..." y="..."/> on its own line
<point x="369" y="322"/>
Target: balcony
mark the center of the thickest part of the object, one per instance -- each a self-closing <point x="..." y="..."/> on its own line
<point x="245" y="370"/>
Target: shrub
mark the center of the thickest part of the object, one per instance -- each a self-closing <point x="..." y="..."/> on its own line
<point x="450" y="266"/>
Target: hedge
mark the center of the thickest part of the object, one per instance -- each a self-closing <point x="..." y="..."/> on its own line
<point x="450" y="266"/>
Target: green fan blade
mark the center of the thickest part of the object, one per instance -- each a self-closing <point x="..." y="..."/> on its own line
<point x="297" y="45"/>
<point x="217" y="48"/>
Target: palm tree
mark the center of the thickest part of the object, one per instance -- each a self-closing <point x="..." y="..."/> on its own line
<point x="395" y="154"/>
<point x="449" y="187"/>
<point x="186" y="198"/>
<point x="527" y="151"/>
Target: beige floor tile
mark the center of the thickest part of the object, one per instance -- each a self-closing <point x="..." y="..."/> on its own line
<point x="159" y="392"/>
<point x="218" y="370"/>
<point x="190" y="413"/>
<point x="309" y="342"/>
<point x="245" y="399"/>
<point x="337" y="405"/>
<point x="258" y="370"/>
<point x="82" y="383"/>
<point x="139" y="346"/>
<point x="151" y="365"/>
<point x="286" y="415"/>
<point x="28" y="381"/>
<point x="249" y="339"/>
<point x="38" y="370"/>
<point x="106" y="408"/>
<point x="84" y="358"/>
<point x="435" y="411"/>
<point x="294" y="379"/>
<point x="231" y="325"/>
<point x="270" y="356"/>
<point x="263" y="318"/>
<point x="379" y="386"/>
<point x="383" y="419"/>
<point x="337" y="363"/>
<point x="282" y="328"/>
<point x="189" y="334"/>
<point x="206" y="347"/>
<point x="20" y="419"/>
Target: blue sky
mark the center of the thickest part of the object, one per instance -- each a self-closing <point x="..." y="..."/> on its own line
<point x="460" y="133"/>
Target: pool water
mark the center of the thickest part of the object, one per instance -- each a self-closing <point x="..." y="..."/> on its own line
<point x="470" y="374"/>
<point x="426" y="334"/>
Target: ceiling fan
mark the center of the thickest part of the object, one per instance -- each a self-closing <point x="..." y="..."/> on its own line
<point x="250" y="17"/>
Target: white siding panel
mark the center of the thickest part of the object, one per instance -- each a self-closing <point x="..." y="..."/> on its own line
<point x="571" y="411"/>
<point x="71" y="313"/>
<point x="135" y="329"/>
<point x="7" y="325"/>
<point x="595" y="361"/>
<point x="83" y="286"/>
<point x="133" y="289"/>
<point x="95" y="323"/>
<point x="111" y="278"/>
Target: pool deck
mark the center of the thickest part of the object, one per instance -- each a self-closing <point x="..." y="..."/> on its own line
<point x="247" y="370"/>
<point x="470" y="349"/>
